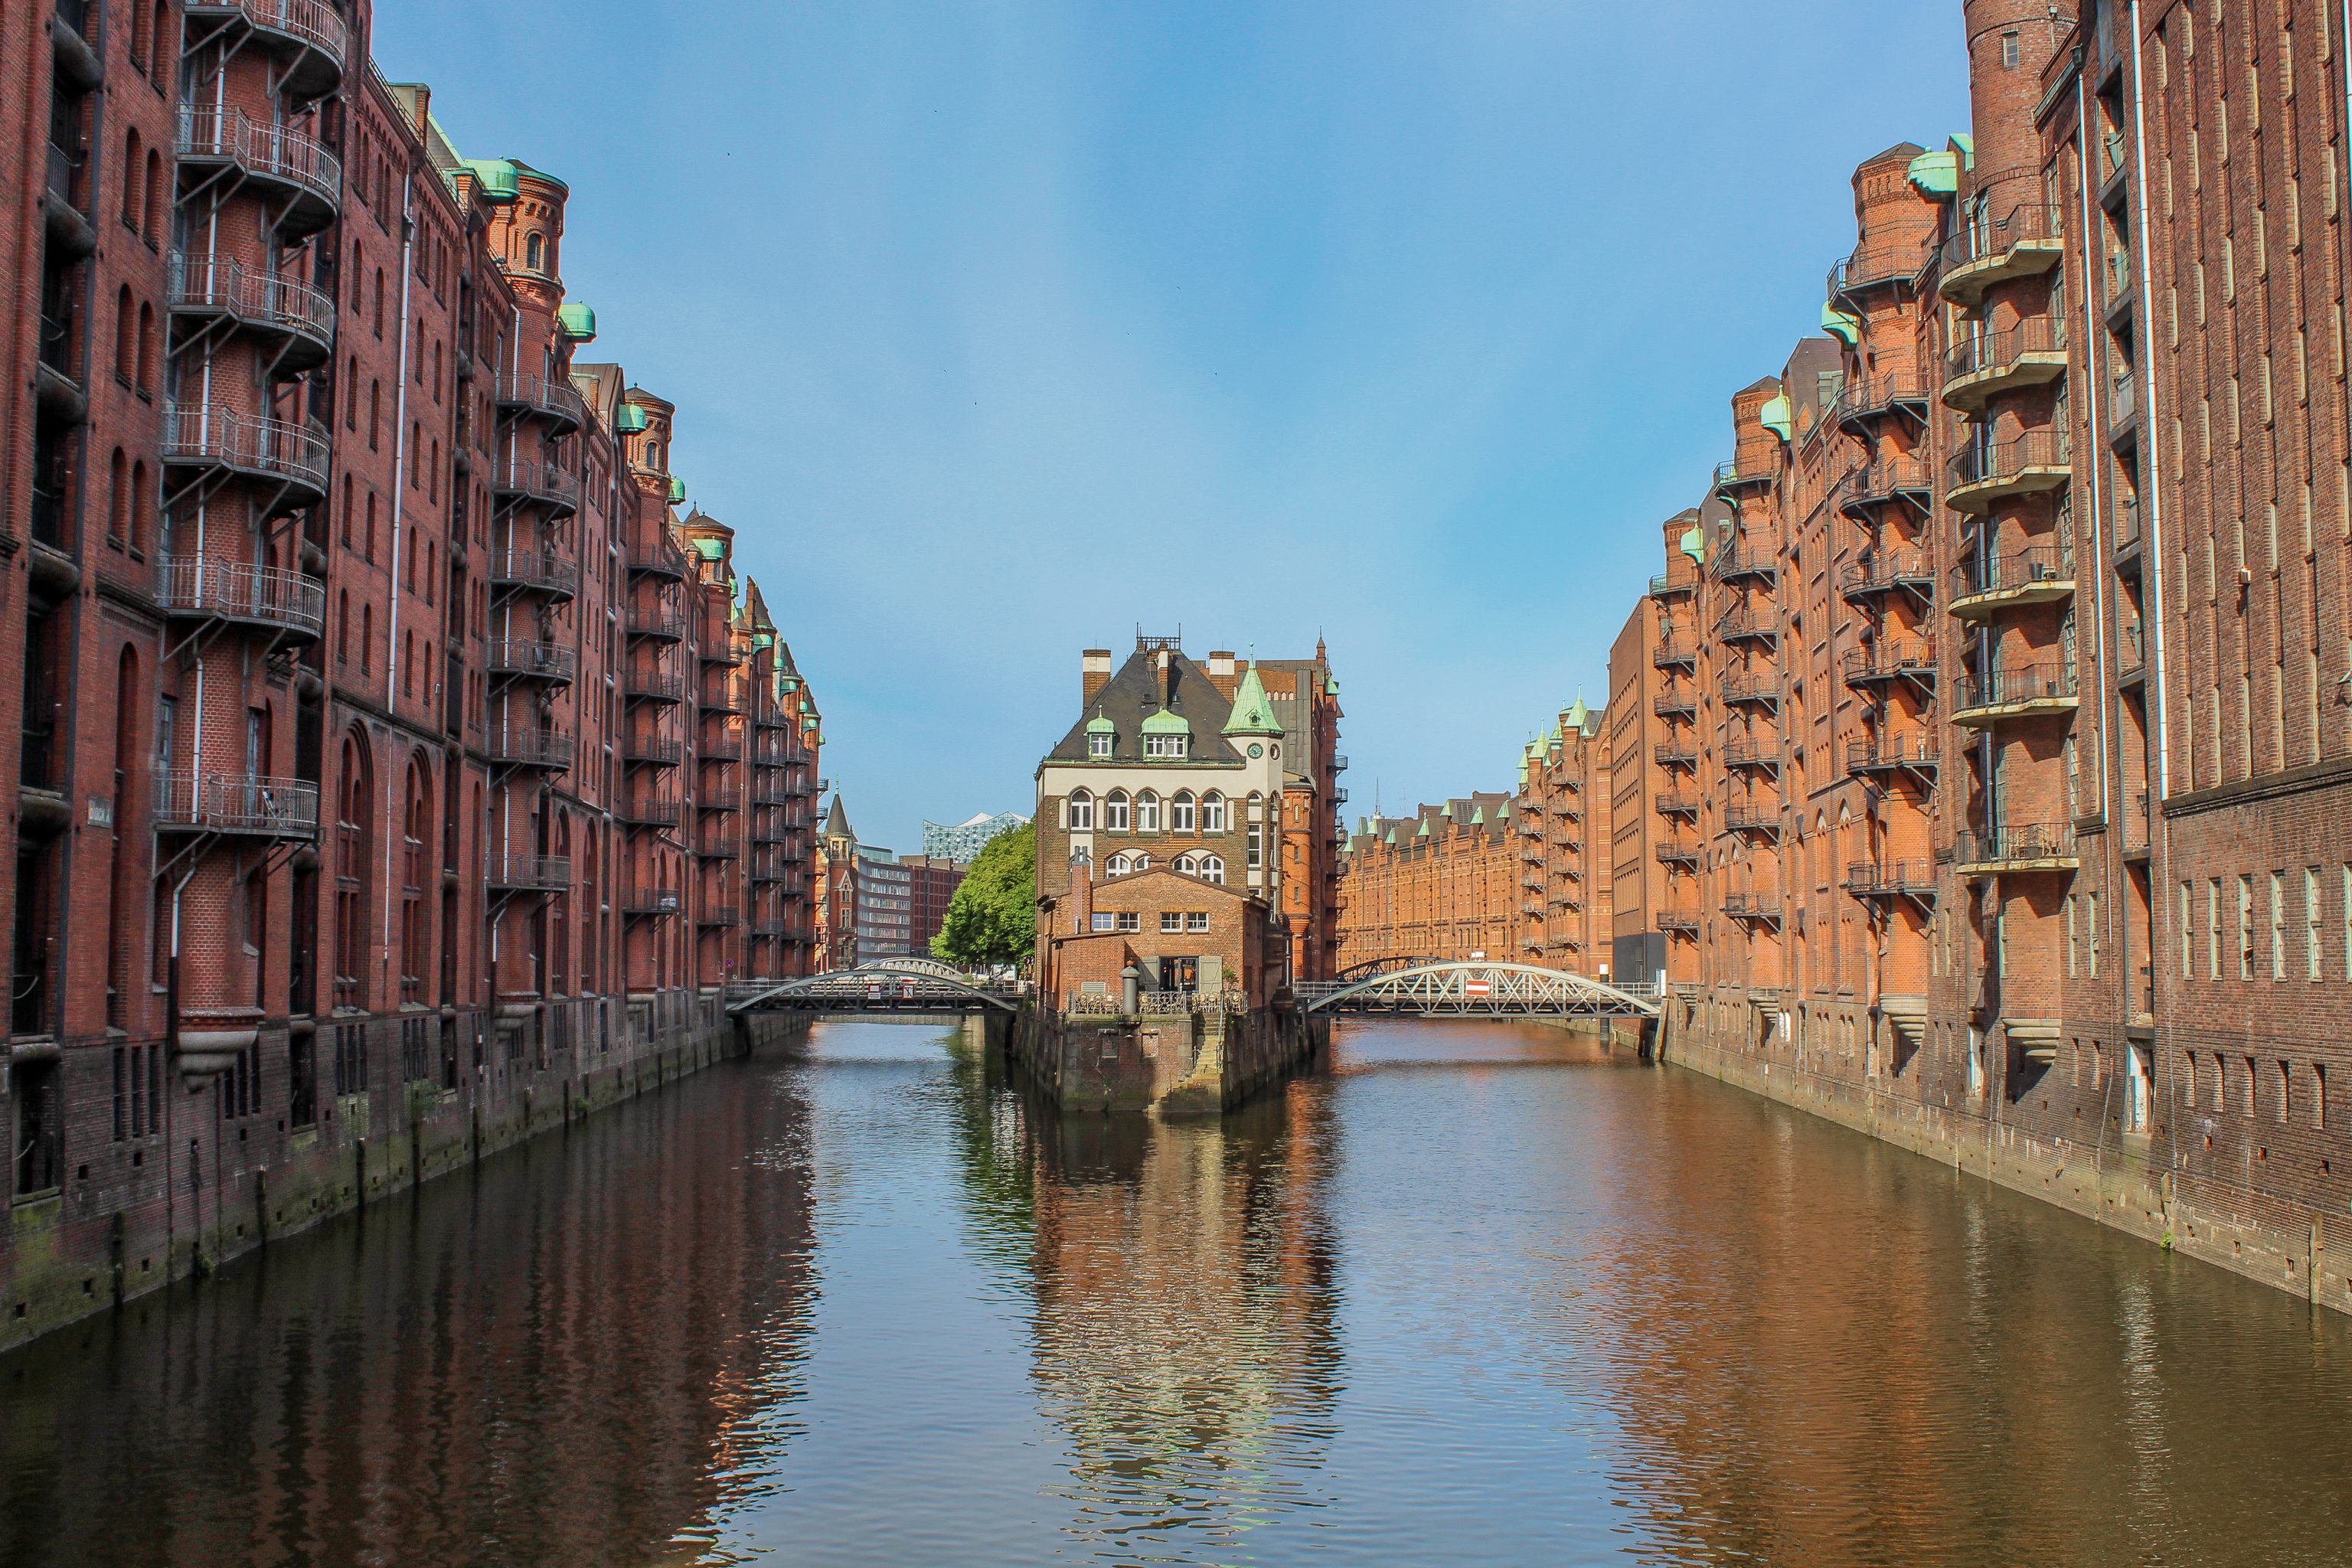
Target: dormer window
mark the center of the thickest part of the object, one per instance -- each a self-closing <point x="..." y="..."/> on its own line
<point x="1098" y="745"/>
<point x="1165" y="745"/>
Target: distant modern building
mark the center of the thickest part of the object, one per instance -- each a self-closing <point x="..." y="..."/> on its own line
<point x="875" y="904"/>
<point x="965" y="840"/>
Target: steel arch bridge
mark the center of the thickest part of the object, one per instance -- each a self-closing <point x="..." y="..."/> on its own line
<point x="1476" y="989"/>
<point x="884" y="985"/>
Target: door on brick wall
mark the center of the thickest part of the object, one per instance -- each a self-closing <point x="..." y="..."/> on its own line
<point x="1179" y="974"/>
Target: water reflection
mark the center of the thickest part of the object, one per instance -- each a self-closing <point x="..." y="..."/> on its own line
<point x="1476" y="1295"/>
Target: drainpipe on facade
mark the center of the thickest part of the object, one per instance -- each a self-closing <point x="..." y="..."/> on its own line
<point x="2083" y="125"/>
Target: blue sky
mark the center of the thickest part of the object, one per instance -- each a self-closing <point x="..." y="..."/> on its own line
<point x="997" y="329"/>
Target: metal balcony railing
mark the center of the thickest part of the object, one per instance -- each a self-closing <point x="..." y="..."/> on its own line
<point x="211" y="285"/>
<point x="278" y="154"/>
<point x="1887" y="660"/>
<point x="237" y="803"/>
<point x="2006" y="462"/>
<point x="1890" y="878"/>
<point x="651" y="901"/>
<point x="1984" y="237"/>
<point x="658" y="558"/>
<point x="659" y="748"/>
<point x="530" y="873"/>
<point x="2016" y="842"/>
<point x="1752" y="755"/>
<point x="1758" y="689"/>
<point x="1890" y="754"/>
<point x="552" y="398"/>
<point x="1674" y="803"/>
<point x="652" y="811"/>
<point x="529" y="746"/>
<point x="1872" y="265"/>
<point x="666" y="625"/>
<point x="655" y="685"/>
<point x="312" y="24"/>
<point x="539" y="572"/>
<point x="2004" y="684"/>
<point x="202" y="587"/>
<point x="2003" y="349"/>
<point x="1879" y="571"/>
<point x="2042" y="567"/>
<point x="210" y="436"/>
<point x="530" y="480"/>
<point x="533" y="659"/>
<point x="1746" y="625"/>
<point x="1753" y="907"/>
<point x="1672" y="755"/>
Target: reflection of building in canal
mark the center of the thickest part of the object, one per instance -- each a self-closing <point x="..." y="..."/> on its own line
<point x="1184" y="1332"/>
<point x="561" y="1362"/>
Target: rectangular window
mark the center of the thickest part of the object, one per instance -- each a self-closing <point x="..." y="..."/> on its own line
<point x="2188" y="933"/>
<point x="1196" y="921"/>
<point x="2071" y="967"/>
<point x="2245" y="928"/>
<point x="1098" y="745"/>
<point x="2311" y="956"/>
<point x="2213" y="924"/>
<point x="1171" y="920"/>
<point x="2278" y="926"/>
<point x="1105" y="920"/>
<point x="1129" y="920"/>
<point x="2319" y="1095"/>
<point x="2091" y="931"/>
<point x="1257" y="850"/>
<point x="2285" y="1090"/>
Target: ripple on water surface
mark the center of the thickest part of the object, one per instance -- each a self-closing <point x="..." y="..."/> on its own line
<point x="1476" y="1294"/>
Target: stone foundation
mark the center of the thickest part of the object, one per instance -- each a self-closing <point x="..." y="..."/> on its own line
<point x="137" y="1214"/>
<point x="1175" y="1064"/>
<point x="2122" y="1186"/>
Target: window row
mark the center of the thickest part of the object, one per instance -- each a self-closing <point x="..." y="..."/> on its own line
<point x="1208" y="868"/>
<point x="1141" y="813"/>
<point x="1172" y="922"/>
<point x="2253" y="927"/>
<point x="2275" y="1091"/>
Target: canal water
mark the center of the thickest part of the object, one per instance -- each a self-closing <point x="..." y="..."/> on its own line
<point x="1478" y="1294"/>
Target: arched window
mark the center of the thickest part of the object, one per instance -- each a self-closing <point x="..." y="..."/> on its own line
<point x="367" y="637"/>
<point x="1213" y="813"/>
<point x="160" y="45"/>
<point x="147" y="348"/>
<point x="1179" y="813"/>
<point x="1142" y="862"/>
<point x="1115" y="866"/>
<point x="133" y="167"/>
<point x="1082" y="810"/>
<point x="118" y="495"/>
<point x="1182" y="863"/>
<point x="343" y="627"/>
<point x="126" y="345"/>
<point x="142" y="505"/>
<point x="156" y="193"/>
<point x="1114" y="817"/>
<point x="1146" y="813"/>
<point x="1210" y="869"/>
<point x="533" y="248"/>
<point x="354" y="808"/>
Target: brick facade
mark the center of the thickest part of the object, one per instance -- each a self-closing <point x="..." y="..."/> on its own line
<point x="395" y="764"/>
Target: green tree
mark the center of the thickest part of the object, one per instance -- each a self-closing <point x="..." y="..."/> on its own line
<point x="993" y="919"/>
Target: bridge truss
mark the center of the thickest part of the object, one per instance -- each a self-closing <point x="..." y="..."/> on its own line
<point x="1477" y="990"/>
<point x="884" y="985"/>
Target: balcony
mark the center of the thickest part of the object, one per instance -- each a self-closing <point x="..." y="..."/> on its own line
<point x="531" y="746"/>
<point x="1744" y="626"/>
<point x="718" y="915"/>
<point x="2127" y="534"/>
<point x="540" y="483"/>
<point x="2035" y="463"/>
<point x="553" y="399"/>
<point x="298" y="320"/>
<point x="660" y="750"/>
<point x="1675" y="705"/>
<point x="2140" y="827"/>
<point x="651" y="811"/>
<point x="520" y="659"/>
<point x="721" y="697"/>
<point x="1759" y="909"/>
<point x="1675" y="754"/>
<point x="1760" y="690"/>
<point x="1673" y="584"/>
<point x="1863" y="399"/>
<point x="727" y="798"/>
<point x="654" y="685"/>
<point x="1891" y="755"/>
<point x="2029" y="238"/>
<point x="1731" y="483"/>
<point x="1763" y="756"/>
<point x="2017" y="848"/>
<point x="2030" y="354"/>
<point x="245" y="805"/>
<point x="660" y="559"/>
<point x="2122" y="409"/>
<point x="1338" y="762"/>
<point x="1763" y="821"/>
<point x="272" y="451"/>
<point x="1886" y="661"/>
<point x="534" y="571"/>
<point x="659" y="624"/>
<point x="271" y="597"/>
<point x="2131" y="658"/>
<point x="1674" y="803"/>
<point x="1887" y="478"/>
<point x="2011" y="691"/>
<point x="1913" y="879"/>
<point x="1682" y="852"/>
<point x="2043" y="575"/>
<point x="721" y="749"/>
<point x="1682" y="922"/>
<point x="1887" y="264"/>
<point x="1737" y="562"/>
<point x="1877" y="571"/>
<point x="1671" y="654"/>
<point x="716" y="845"/>
<point x="530" y="873"/>
<point x="308" y="38"/>
<point x="306" y="177"/>
<point x="650" y="901"/>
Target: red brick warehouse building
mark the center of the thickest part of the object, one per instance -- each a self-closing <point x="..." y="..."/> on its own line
<point x="396" y="766"/>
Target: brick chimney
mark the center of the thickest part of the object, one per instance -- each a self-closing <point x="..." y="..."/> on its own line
<point x="1225" y="674"/>
<point x="1094" y="674"/>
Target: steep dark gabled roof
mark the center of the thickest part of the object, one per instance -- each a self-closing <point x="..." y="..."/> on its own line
<point x="836" y="822"/>
<point x="1133" y="695"/>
